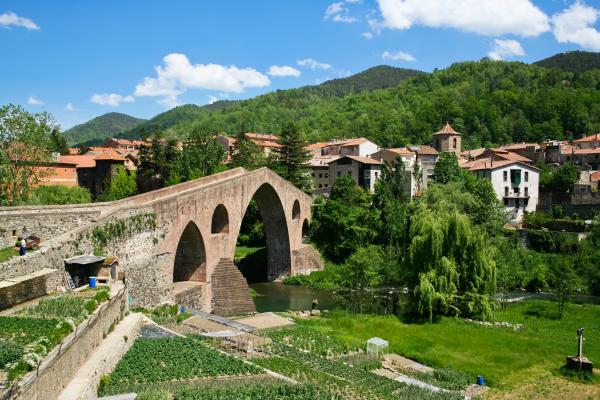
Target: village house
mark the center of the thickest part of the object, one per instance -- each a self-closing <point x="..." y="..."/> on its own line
<point x="125" y="144"/>
<point x="349" y="147"/>
<point x="56" y="173"/>
<point x="588" y="142"/>
<point x="364" y="170"/>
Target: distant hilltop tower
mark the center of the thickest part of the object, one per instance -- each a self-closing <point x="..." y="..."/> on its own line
<point x="447" y="140"/>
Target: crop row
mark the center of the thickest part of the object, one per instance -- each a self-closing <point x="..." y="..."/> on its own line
<point x="167" y="359"/>
<point x="273" y="392"/>
<point x="380" y="386"/>
<point x="305" y="338"/>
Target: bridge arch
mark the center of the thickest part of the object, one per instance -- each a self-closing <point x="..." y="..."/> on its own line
<point x="220" y="220"/>
<point x="190" y="257"/>
<point x="276" y="229"/>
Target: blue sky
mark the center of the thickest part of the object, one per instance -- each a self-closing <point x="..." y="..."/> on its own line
<point x="81" y="59"/>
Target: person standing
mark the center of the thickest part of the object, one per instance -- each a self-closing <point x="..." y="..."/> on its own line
<point x="23" y="247"/>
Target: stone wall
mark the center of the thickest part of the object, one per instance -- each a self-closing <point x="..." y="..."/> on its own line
<point x="306" y="260"/>
<point x="27" y="287"/>
<point x="61" y="364"/>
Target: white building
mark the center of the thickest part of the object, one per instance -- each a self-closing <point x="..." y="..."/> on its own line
<point x="516" y="183"/>
<point x="353" y="147"/>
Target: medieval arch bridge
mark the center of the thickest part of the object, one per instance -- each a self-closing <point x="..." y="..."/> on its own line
<point x="188" y="257"/>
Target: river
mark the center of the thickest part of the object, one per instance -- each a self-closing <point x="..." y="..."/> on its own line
<point x="274" y="296"/>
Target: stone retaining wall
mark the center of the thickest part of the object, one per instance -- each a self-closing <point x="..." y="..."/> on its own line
<point x="61" y="364"/>
<point x="28" y="287"/>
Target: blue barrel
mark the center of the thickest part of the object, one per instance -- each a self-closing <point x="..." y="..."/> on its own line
<point x="480" y="381"/>
<point x="92" y="282"/>
<point x="181" y="309"/>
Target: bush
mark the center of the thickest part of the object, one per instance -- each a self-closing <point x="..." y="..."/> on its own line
<point x="59" y="194"/>
<point x="101" y="296"/>
<point x="90" y="305"/>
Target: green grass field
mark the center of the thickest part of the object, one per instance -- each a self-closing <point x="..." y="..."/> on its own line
<point x="506" y="359"/>
<point x="9" y="252"/>
<point x="243" y="251"/>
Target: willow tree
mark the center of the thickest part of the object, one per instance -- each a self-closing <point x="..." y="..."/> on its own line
<point x="449" y="267"/>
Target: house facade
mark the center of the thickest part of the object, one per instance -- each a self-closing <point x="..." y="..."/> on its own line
<point x="364" y="171"/>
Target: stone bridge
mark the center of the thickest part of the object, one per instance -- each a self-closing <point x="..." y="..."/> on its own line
<point x="186" y="254"/>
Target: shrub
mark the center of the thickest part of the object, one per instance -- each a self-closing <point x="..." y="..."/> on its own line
<point x="90" y="305"/>
<point x="9" y="352"/>
<point x="60" y="194"/>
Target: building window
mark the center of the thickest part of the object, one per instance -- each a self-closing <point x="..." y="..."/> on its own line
<point x="320" y="176"/>
<point x="326" y="175"/>
<point x="505" y="175"/>
<point x="339" y="173"/>
<point x="326" y="185"/>
<point x="568" y="158"/>
<point x="526" y="192"/>
<point x="350" y="173"/>
<point x="516" y="190"/>
<point x="517" y="204"/>
<point x="505" y="201"/>
<point x="506" y="191"/>
<point x="454" y="143"/>
<point x="526" y="176"/>
<point x="515" y="177"/>
<point x="320" y="186"/>
<point x="376" y="175"/>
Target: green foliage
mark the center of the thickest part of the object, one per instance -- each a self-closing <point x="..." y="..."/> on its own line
<point x="292" y="158"/>
<point x="97" y="130"/>
<point x="121" y="185"/>
<point x="59" y="194"/>
<point x="538" y="220"/>
<point x="155" y="360"/>
<point x="257" y="391"/>
<point x="247" y="154"/>
<point x="112" y="231"/>
<point x="560" y="180"/>
<point x="9" y="353"/>
<point x="201" y="154"/>
<point x="58" y="142"/>
<point x="449" y="268"/>
<point x="311" y="340"/>
<point x="165" y="314"/>
<point x="447" y="169"/>
<point x="572" y="61"/>
<point x="25" y="139"/>
<point x="345" y="222"/>
<point x="379" y="77"/>
<point x="158" y="165"/>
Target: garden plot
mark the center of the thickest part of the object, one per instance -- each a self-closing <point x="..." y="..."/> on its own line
<point x="27" y="336"/>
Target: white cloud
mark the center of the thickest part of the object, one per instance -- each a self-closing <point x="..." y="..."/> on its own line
<point x="505" y="49"/>
<point x="576" y="25"/>
<point x="11" y="19"/>
<point x="354" y="1"/>
<point x="212" y="99"/>
<point x="338" y="13"/>
<point x="487" y="17"/>
<point x="398" y="56"/>
<point x="276" y="70"/>
<point x="178" y="75"/>
<point x="367" y="35"/>
<point x="70" y="107"/>
<point x="34" y="101"/>
<point x="313" y="64"/>
<point x="112" y="99"/>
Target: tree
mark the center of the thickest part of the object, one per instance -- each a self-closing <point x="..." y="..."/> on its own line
<point x="345" y="222"/>
<point x="24" y="143"/>
<point x="120" y="186"/>
<point x="58" y="143"/>
<point x="447" y="169"/>
<point x="158" y="164"/>
<point x="201" y="154"/>
<point x="292" y="158"/>
<point x="565" y="177"/>
<point x="247" y="154"/>
<point x="59" y="194"/>
<point x="563" y="279"/>
<point x="449" y="267"/>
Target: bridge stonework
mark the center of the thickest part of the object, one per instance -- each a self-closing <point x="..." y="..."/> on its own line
<point x="188" y="257"/>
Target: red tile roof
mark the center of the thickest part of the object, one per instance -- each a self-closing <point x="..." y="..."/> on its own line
<point x="423" y="150"/>
<point x="354" y="142"/>
<point x="489" y="163"/>
<point x="592" y="138"/>
<point x="447" y="130"/>
<point x="400" y="150"/>
<point x="362" y="160"/>
<point x="81" y="161"/>
<point x="595" y="176"/>
<point x="262" y="136"/>
<point x="110" y="155"/>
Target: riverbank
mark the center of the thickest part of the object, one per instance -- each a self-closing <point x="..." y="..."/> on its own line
<point x="516" y="364"/>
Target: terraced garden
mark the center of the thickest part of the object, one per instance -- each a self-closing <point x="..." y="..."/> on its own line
<point x="27" y="336"/>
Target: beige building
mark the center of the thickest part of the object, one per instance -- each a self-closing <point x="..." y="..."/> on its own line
<point x="588" y="142"/>
<point x="447" y="140"/>
<point x="364" y="170"/>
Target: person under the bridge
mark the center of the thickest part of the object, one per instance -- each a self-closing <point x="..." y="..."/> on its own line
<point x="23" y="247"/>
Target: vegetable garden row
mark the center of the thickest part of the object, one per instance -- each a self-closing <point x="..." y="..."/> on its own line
<point x="27" y="336"/>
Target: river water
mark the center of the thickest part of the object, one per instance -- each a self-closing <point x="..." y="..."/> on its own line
<point x="274" y="296"/>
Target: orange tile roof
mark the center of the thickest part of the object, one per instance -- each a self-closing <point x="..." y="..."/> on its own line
<point x="318" y="145"/>
<point x="447" y="130"/>
<point x="594" y="150"/>
<point x="515" y="146"/>
<point x="73" y="151"/>
<point x="592" y="138"/>
<point x="595" y="176"/>
<point x="354" y="142"/>
<point x="423" y="150"/>
<point x="110" y="155"/>
<point x="261" y="136"/>
<point x="400" y="150"/>
<point x="489" y="163"/>
<point x="81" y="161"/>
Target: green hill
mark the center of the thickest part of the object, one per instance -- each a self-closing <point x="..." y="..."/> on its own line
<point x="572" y="61"/>
<point x="379" y="77"/>
<point x="99" y="129"/>
<point x="490" y="102"/>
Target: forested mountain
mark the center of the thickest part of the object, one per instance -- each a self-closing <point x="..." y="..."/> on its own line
<point x="490" y="102"/>
<point x="380" y="77"/>
<point x="572" y="61"/>
<point x="97" y="130"/>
